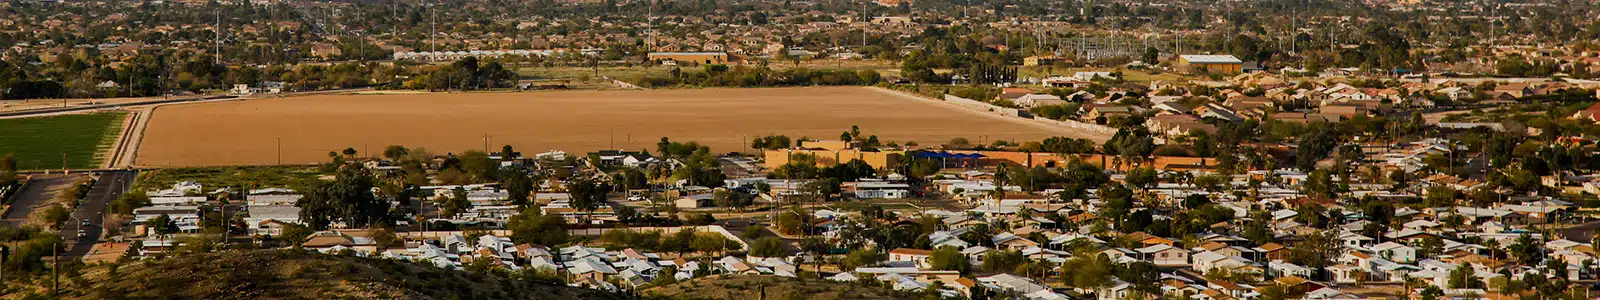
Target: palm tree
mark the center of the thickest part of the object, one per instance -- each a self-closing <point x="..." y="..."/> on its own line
<point x="1493" y="245"/>
<point x="1024" y="214"/>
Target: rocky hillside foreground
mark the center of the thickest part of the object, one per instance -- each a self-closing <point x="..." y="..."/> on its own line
<point x="287" y="274"/>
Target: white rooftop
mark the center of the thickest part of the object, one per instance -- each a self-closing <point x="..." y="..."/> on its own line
<point x="1212" y="59"/>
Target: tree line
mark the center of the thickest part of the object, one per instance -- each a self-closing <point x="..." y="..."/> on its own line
<point x="717" y="75"/>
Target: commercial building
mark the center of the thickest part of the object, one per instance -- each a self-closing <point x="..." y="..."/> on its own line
<point x="1202" y="64"/>
<point x="694" y="57"/>
<point x="881" y="190"/>
<point x="828" y="153"/>
<point x="1042" y="60"/>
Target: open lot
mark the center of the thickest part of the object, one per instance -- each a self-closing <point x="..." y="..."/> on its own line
<point x="38" y="143"/>
<point x="248" y="132"/>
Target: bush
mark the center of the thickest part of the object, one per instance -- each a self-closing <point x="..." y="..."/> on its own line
<point x="768" y="247"/>
<point x="128" y="202"/>
<point x="752" y="232"/>
<point x="52" y="215"/>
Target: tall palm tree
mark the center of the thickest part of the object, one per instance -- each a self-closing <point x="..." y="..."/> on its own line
<point x="1493" y="245"/>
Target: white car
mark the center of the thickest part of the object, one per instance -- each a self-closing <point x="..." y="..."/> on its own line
<point x="81" y="233"/>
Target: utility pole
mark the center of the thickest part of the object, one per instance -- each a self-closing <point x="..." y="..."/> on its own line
<point x="55" y="269"/>
<point x="361" y="39"/>
<point x="649" y="25"/>
<point x="216" y="41"/>
<point x="433" y="32"/>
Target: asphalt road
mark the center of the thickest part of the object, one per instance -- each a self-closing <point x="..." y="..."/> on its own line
<point x="37" y="193"/>
<point x="110" y="186"/>
<point x="57" y="110"/>
<point x="1580" y="233"/>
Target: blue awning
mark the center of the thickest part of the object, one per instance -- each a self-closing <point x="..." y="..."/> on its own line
<point x="943" y="154"/>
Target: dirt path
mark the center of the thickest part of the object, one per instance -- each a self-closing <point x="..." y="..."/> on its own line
<point x="126" y="149"/>
<point x="115" y="156"/>
<point x="1063" y="131"/>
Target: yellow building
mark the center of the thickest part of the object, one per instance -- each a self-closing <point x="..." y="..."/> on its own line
<point x="1203" y="64"/>
<point x="828" y="153"/>
<point x="1041" y="60"/>
<point x="694" y="57"/>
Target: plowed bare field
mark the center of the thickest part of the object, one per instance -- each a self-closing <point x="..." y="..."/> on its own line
<point x="307" y="128"/>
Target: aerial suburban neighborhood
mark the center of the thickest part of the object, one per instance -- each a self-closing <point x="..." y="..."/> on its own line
<point x="800" y="149"/>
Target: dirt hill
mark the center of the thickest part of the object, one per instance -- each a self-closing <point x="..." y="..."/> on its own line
<point x="286" y="274"/>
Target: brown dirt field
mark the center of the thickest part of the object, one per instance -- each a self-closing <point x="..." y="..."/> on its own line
<point x="246" y="132"/>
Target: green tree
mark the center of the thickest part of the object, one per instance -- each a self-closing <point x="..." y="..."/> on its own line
<point x="1463" y="277"/>
<point x="1151" y="56"/>
<point x="706" y="242"/>
<point x="1317" y="250"/>
<point x="1525" y="250"/>
<point x="949" y="259"/>
<point x="532" y="226"/>
<point x="163" y="225"/>
<point x="348" y="198"/>
<point x="456" y="203"/>
<point x="1142" y="177"/>
<point x="53" y="215"/>
<point x="1090" y="271"/>
<point x="768" y="247"/>
<point x="519" y="186"/>
<point x="1002" y="261"/>
<point x="1432" y="292"/>
<point x="792" y="222"/>
<point x="128" y="202"/>
<point x="385" y="238"/>
<point x="478" y="165"/>
<point x="1143" y="275"/>
<point x="395" y="152"/>
<point x="860" y="258"/>
<point x="1119" y="202"/>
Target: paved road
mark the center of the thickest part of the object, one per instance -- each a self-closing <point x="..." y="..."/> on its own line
<point x="39" y="191"/>
<point x="1581" y="232"/>
<point x="110" y="186"/>
<point x="59" y="110"/>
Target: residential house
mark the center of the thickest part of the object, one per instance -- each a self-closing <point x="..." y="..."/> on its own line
<point x="1164" y="255"/>
<point x="916" y="256"/>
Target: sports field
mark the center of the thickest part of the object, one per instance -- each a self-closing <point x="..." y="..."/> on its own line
<point x="39" y="143"/>
<point x="307" y="128"/>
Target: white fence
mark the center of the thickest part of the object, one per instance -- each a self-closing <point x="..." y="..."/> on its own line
<point x="1012" y="112"/>
<point x="623" y="84"/>
<point x="983" y="107"/>
<point x="1093" y="128"/>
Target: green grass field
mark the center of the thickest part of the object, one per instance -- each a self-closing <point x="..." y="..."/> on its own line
<point x="295" y="177"/>
<point x="39" y="143"/>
